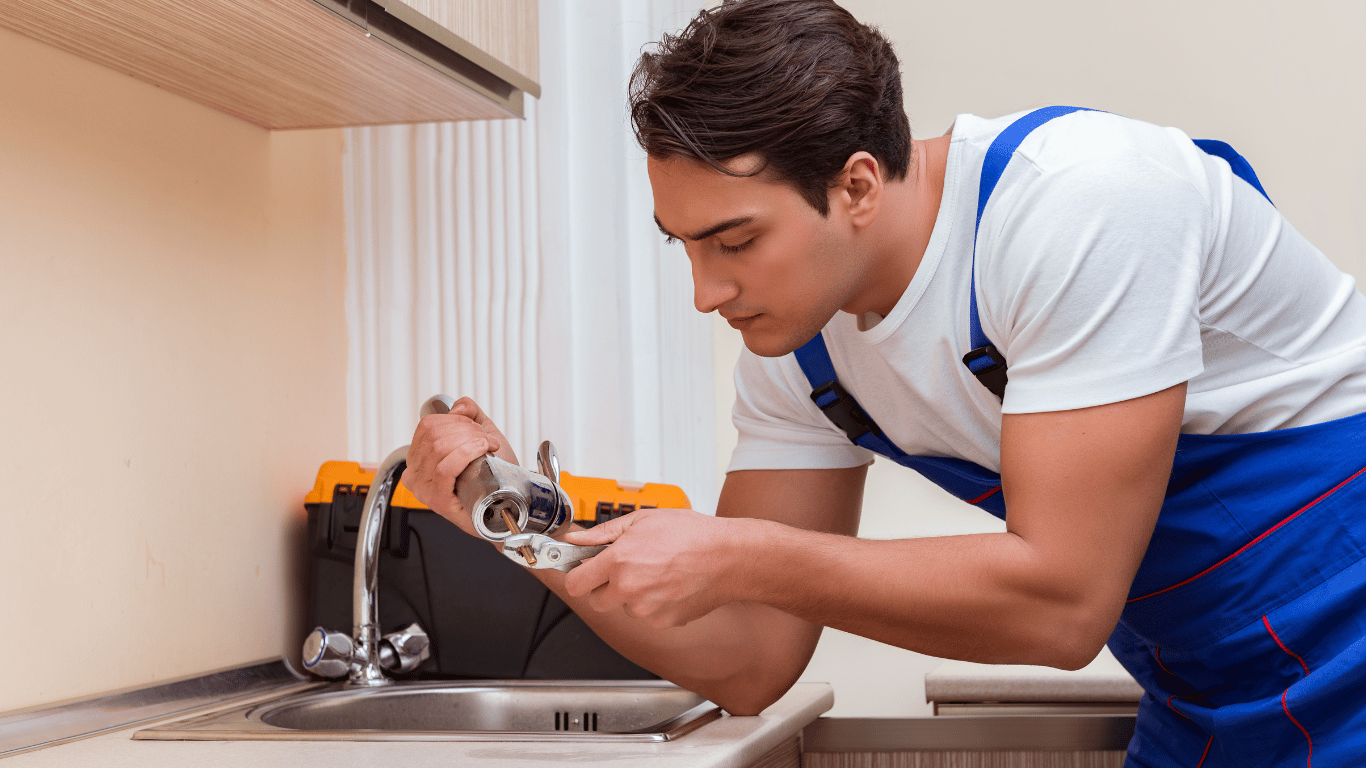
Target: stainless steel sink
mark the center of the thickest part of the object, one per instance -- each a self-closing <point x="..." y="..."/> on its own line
<point x="460" y="711"/>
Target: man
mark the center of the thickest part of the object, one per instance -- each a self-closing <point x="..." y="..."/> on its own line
<point x="1179" y="434"/>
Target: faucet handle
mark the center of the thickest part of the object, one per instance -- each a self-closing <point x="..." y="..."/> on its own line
<point x="548" y="462"/>
<point x="328" y="653"/>
<point x="404" y="650"/>
<point x="437" y="404"/>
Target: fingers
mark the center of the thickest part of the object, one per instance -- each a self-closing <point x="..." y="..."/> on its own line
<point x="466" y="407"/>
<point x="443" y="446"/>
<point x="459" y="451"/>
<point x="450" y="427"/>
<point x="469" y="409"/>
<point x="595" y="572"/>
<point x="592" y="581"/>
<point x="603" y="533"/>
<point x="591" y="574"/>
<point x="663" y="568"/>
<point x="649" y="610"/>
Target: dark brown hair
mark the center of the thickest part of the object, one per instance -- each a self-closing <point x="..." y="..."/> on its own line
<point x="801" y="83"/>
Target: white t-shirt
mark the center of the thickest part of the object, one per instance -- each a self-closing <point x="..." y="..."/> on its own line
<point x="1115" y="259"/>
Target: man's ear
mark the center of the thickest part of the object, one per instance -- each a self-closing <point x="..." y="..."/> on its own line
<point x="860" y="188"/>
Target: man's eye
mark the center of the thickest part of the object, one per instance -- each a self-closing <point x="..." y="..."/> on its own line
<point x="736" y="248"/>
<point x="670" y="239"/>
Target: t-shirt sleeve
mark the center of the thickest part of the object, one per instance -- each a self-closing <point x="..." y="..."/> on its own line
<point x="1092" y="286"/>
<point x="779" y="426"/>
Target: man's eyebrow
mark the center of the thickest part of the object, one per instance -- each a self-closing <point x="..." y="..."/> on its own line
<point x="715" y="229"/>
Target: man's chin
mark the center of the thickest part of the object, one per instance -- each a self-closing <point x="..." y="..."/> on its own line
<point x="765" y="345"/>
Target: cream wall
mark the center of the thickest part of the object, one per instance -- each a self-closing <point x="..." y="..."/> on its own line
<point x="1281" y="82"/>
<point x="174" y="356"/>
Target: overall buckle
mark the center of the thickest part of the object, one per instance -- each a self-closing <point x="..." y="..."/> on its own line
<point x="843" y="410"/>
<point x="987" y="364"/>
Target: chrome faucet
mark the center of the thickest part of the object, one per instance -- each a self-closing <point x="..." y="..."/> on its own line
<point x="506" y="504"/>
<point x="365" y="655"/>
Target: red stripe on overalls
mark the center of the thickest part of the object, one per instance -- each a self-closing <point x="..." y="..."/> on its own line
<point x="1285" y="707"/>
<point x="984" y="496"/>
<point x="1310" y="761"/>
<point x="1205" y="754"/>
<point x="1157" y="654"/>
<point x="1272" y="632"/>
<point x="1250" y="544"/>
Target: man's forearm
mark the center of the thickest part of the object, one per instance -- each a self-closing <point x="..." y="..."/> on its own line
<point x="1084" y="489"/>
<point x="979" y="597"/>
<point x="983" y="597"/>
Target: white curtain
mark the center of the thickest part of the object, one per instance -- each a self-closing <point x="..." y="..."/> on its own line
<point x="517" y="262"/>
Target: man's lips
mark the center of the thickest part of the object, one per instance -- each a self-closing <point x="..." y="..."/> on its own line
<point x="741" y="322"/>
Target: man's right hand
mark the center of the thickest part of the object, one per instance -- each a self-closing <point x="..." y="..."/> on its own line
<point x="443" y="445"/>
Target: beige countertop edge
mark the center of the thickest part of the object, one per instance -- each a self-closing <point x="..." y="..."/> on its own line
<point x="1103" y="680"/>
<point x="730" y="742"/>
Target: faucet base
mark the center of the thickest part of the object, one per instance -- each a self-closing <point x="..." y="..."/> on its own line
<point x="368" y="676"/>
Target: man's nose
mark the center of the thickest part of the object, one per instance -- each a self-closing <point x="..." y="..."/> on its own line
<point x="710" y="290"/>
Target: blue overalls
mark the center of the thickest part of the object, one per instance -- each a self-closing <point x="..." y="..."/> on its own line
<point x="1246" y="621"/>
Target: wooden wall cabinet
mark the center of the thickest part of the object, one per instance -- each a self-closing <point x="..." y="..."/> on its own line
<point x="308" y="63"/>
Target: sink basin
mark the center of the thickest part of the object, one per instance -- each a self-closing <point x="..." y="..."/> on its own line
<point x="460" y="711"/>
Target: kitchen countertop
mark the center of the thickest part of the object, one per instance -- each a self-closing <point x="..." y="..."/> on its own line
<point x="1103" y="680"/>
<point x="731" y="742"/>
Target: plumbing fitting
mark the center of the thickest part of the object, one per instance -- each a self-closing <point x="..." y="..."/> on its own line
<point x="490" y="487"/>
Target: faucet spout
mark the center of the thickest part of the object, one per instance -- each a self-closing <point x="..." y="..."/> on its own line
<point x="497" y="487"/>
<point x="365" y="604"/>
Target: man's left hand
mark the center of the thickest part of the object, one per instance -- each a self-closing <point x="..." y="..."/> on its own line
<point x="665" y="566"/>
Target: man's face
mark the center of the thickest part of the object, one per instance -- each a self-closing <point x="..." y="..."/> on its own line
<point x="761" y="256"/>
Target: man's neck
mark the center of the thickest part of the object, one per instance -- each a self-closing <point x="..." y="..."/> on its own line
<point x="905" y="224"/>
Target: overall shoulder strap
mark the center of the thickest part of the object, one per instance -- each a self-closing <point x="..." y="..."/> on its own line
<point x="1241" y="167"/>
<point x="985" y="362"/>
<point x="972" y="483"/>
<point x="963" y="479"/>
<point x="837" y="404"/>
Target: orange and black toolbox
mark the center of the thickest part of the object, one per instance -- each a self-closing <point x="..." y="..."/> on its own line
<point x="486" y="616"/>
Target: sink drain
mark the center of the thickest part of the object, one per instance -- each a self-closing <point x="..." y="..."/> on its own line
<point x="586" y="721"/>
